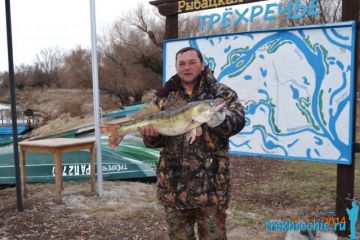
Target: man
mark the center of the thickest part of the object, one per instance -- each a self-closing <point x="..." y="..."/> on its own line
<point x="193" y="179"/>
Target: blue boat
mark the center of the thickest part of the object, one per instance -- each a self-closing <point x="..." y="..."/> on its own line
<point x="125" y="111"/>
<point x="6" y="131"/>
<point x="25" y="121"/>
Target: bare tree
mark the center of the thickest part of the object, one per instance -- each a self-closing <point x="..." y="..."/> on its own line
<point x="118" y="41"/>
<point x="77" y="69"/>
<point x="189" y="25"/>
<point x="131" y="55"/>
<point x="50" y="62"/>
<point x="330" y="11"/>
<point x="150" y="24"/>
<point x="25" y="76"/>
<point x="4" y="80"/>
<point x="144" y="36"/>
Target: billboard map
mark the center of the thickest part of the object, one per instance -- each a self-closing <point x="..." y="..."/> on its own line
<point x="296" y="86"/>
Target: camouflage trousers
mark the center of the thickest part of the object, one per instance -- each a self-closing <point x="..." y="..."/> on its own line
<point x="210" y="223"/>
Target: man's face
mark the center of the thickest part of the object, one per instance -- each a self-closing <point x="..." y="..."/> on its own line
<point x="188" y="66"/>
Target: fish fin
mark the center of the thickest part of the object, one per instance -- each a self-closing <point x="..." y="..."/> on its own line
<point x="193" y="130"/>
<point x="148" y="109"/>
<point x="112" y="130"/>
<point x="191" y="135"/>
<point x="193" y="124"/>
<point x="199" y="131"/>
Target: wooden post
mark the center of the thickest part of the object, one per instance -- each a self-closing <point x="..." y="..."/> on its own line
<point x="58" y="177"/>
<point x="171" y="27"/>
<point x="92" y="169"/>
<point x="346" y="173"/>
<point x="23" y="172"/>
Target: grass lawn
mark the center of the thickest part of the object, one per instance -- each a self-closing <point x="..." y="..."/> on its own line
<point x="292" y="190"/>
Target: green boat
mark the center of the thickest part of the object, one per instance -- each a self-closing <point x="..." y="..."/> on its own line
<point x="131" y="159"/>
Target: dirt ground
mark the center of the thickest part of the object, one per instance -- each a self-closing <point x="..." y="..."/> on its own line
<point x="58" y="110"/>
<point x="127" y="210"/>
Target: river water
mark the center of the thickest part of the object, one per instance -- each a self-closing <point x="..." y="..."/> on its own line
<point x="5" y="115"/>
<point x="5" y="106"/>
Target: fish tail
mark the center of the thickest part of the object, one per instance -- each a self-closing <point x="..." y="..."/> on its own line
<point x="112" y="130"/>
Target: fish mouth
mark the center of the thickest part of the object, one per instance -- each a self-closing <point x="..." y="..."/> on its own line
<point x="219" y="104"/>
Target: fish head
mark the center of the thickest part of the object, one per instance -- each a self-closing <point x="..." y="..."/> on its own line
<point x="216" y="104"/>
<point x="204" y="110"/>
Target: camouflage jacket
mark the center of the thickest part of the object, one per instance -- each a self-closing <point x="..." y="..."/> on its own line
<point x="197" y="174"/>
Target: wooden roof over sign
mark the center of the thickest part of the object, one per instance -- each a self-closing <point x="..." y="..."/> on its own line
<point x="173" y="7"/>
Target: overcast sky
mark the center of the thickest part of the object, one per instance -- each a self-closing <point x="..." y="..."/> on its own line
<point x="65" y="24"/>
<point x="39" y="24"/>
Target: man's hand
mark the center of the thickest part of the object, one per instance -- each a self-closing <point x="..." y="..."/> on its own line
<point x="148" y="131"/>
<point x="218" y="118"/>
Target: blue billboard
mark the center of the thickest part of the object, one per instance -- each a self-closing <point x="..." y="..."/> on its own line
<point x="296" y="85"/>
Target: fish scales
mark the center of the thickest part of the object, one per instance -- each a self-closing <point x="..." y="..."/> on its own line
<point x="165" y="122"/>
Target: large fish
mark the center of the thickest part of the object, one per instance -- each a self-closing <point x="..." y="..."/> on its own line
<point x="185" y="119"/>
